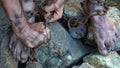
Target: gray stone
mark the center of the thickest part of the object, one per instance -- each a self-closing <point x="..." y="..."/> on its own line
<point x="84" y="65"/>
<point x="114" y="15"/>
<point x="61" y="50"/>
<point x="4" y="23"/>
<point x="6" y="58"/>
<point x="112" y="60"/>
<point x="73" y="8"/>
<point x="33" y="65"/>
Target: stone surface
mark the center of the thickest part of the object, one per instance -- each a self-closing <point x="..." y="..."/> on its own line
<point x="4" y="23"/>
<point x="61" y="50"/>
<point x="73" y="8"/>
<point x="114" y="15"/>
<point x="33" y="65"/>
<point x="84" y="65"/>
<point x="112" y="60"/>
<point x="6" y="58"/>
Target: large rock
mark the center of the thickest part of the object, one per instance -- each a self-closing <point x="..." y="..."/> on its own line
<point x="114" y="15"/>
<point x="61" y="50"/>
<point x="112" y="60"/>
<point x="33" y="65"/>
<point x="6" y="58"/>
<point x="4" y="23"/>
<point x="84" y="65"/>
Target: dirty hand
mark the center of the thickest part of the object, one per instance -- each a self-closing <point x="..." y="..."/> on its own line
<point x="54" y="11"/>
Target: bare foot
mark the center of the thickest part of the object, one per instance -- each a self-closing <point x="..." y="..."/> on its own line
<point x="105" y="32"/>
<point x="19" y="50"/>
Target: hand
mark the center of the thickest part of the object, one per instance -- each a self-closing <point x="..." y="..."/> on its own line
<point x="54" y="11"/>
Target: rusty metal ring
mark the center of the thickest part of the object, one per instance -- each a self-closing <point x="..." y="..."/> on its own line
<point x="69" y="21"/>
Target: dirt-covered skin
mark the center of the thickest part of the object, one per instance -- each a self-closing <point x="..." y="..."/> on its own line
<point x="28" y="8"/>
<point x="19" y="50"/>
<point x="20" y="26"/>
<point x="55" y="10"/>
<point x="105" y="32"/>
<point x="26" y="35"/>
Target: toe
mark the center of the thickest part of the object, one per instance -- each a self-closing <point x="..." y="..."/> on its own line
<point x="114" y="40"/>
<point x="102" y="48"/>
<point x="116" y="34"/>
<point x="24" y="56"/>
<point x="17" y="53"/>
<point x="103" y="51"/>
<point x="112" y="44"/>
<point x="108" y="45"/>
<point x="12" y="43"/>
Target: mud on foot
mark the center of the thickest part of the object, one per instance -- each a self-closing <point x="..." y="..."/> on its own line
<point x="104" y="31"/>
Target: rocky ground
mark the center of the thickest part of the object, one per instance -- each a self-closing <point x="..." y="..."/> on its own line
<point x="61" y="51"/>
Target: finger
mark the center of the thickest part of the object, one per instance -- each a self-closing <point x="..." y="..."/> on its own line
<point x="57" y="15"/>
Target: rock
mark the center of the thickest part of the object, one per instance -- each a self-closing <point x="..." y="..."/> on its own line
<point x="114" y="15"/>
<point x="6" y="58"/>
<point x="112" y="60"/>
<point x="33" y="65"/>
<point x="83" y="65"/>
<point x="61" y="50"/>
<point x="73" y="8"/>
<point x="4" y="23"/>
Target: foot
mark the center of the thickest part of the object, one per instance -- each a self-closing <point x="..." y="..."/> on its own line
<point x="19" y="51"/>
<point x="105" y="32"/>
